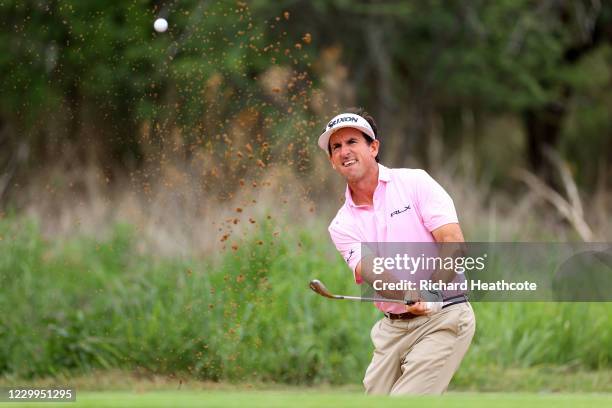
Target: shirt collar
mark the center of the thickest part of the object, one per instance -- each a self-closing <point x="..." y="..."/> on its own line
<point x="384" y="174"/>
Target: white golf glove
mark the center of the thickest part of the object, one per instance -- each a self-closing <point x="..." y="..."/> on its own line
<point x="433" y="300"/>
<point x="433" y="307"/>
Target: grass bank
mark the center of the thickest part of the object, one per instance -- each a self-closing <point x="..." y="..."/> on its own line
<point x="244" y="315"/>
<point x="307" y="398"/>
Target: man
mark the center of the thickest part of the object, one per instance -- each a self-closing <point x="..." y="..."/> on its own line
<point x="417" y="348"/>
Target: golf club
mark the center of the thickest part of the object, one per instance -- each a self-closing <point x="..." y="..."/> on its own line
<point x="318" y="286"/>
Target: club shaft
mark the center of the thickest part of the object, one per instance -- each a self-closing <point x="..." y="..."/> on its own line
<point x="367" y="299"/>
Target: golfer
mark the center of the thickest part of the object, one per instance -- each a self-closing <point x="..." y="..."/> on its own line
<point x="417" y="348"/>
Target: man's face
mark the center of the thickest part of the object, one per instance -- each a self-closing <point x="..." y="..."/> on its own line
<point x="351" y="156"/>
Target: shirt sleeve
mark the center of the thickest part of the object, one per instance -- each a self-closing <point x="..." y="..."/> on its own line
<point x="435" y="205"/>
<point x="348" y="244"/>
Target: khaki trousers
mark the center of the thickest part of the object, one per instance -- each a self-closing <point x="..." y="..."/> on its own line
<point x="420" y="355"/>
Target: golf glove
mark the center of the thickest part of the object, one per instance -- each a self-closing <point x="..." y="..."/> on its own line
<point x="433" y="300"/>
<point x="433" y="307"/>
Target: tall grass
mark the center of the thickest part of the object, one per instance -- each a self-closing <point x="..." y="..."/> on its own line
<point x="247" y="314"/>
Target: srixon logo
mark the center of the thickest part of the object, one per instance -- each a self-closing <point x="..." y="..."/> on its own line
<point x="397" y="212"/>
<point x="340" y="120"/>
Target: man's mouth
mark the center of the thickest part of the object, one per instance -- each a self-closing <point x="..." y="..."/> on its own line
<point x="349" y="163"/>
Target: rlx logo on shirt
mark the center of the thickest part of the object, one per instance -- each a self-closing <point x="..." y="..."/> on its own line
<point x="350" y="255"/>
<point x="396" y="212"/>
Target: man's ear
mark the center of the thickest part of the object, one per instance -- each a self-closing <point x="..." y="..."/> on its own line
<point x="332" y="163"/>
<point x="374" y="147"/>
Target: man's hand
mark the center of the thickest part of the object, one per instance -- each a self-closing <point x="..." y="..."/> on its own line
<point x="419" y="308"/>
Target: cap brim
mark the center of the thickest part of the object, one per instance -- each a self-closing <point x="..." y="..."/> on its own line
<point x="325" y="136"/>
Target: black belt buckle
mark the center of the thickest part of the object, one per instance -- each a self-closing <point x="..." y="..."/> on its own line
<point x="401" y="316"/>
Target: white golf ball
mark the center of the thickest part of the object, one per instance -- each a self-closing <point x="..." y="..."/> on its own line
<point x="160" y="25"/>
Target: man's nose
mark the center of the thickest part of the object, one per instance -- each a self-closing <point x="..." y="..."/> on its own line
<point x="344" y="150"/>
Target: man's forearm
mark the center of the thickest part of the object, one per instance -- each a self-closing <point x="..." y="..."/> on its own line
<point x="447" y="250"/>
<point x="450" y="238"/>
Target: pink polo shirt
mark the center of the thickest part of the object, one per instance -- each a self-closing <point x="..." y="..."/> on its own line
<point x="418" y="203"/>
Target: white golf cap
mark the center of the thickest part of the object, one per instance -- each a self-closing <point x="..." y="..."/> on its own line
<point x="341" y="121"/>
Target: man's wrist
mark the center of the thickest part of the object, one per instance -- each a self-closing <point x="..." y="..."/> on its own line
<point x="411" y="296"/>
<point x="431" y="296"/>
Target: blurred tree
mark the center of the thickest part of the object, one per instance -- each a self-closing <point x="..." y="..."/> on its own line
<point x="418" y="63"/>
<point x="81" y="78"/>
<point x="91" y="78"/>
<point x="587" y="26"/>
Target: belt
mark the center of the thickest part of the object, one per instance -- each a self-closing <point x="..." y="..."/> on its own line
<point x="455" y="300"/>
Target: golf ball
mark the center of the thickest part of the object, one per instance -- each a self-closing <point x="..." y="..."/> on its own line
<point x="160" y="25"/>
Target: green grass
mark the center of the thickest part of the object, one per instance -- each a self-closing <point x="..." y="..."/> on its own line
<point x="247" y="315"/>
<point x="307" y="398"/>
